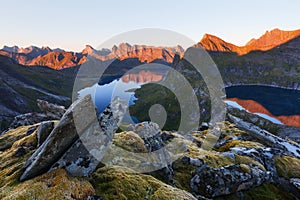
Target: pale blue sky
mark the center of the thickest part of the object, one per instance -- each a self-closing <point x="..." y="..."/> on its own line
<point x="72" y="24"/>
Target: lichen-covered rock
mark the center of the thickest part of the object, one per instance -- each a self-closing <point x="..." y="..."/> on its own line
<point x="122" y="183"/>
<point x="295" y="182"/>
<point x="83" y="157"/>
<point x="28" y="119"/>
<point x="56" y="185"/>
<point x="212" y="182"/>
<point x="150" y="133"/>
<point x="49" y="112"/>
<point x="60" y="139"/>
<point x="267" y="137"/>
<point x="130" y="141"/>
<point x="44" y="131"/>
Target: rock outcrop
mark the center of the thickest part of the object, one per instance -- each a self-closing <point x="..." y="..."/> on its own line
<point x="268" y="138"/>
<point x="226" y="180"/>
<point x="244" y="160"/>
<point x="82" y="158"/>
<point x="72" y="141"/>
<point x="60" y="139"/>
<point x="49" y="111"/>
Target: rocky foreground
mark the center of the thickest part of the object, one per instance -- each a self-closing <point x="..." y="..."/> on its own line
<point x="47" y="159"/>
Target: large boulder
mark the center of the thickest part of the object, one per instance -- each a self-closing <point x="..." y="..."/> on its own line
<point x="213" y="182"/>
<point x="82" y="158"/>
<point x="150" y="133"/>
<point x="60" y="139"/>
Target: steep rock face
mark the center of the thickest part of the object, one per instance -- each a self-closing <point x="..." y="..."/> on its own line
<point x="213" y="43"/>
<point x="56" y="60"/>
<point x="271" y="39"/>
<point x="146" y="53"/>
<point x="266" y="42"/>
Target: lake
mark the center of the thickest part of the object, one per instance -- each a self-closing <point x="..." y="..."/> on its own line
<point x="281" y="106"/>
<point x="276" y="104"/>
<point x="122" y="87"/>
<point x="277" y="101"/>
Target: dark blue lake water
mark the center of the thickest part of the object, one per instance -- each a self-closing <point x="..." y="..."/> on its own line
<point x="277" y="101"/>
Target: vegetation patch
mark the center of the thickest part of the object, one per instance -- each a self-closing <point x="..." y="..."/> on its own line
<point x="288" y="166"/>
<point x="122" y="183"/>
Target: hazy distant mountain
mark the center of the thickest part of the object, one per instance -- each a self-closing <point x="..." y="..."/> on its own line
<point x="266" y="42"/>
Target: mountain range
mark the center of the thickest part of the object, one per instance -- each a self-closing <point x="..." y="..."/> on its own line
<point x="59" y="59"/>
<point x="272" y="59"/>
<point x="269" y="40"/>
<point x="278" y="67"/>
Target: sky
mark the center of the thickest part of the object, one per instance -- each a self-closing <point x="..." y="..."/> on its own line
<point x="71" y="25"/>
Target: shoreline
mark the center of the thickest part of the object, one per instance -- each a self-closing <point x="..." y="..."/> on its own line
<point x="263" y="85"/>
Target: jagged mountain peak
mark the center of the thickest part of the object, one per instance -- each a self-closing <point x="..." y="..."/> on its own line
<point x="13" y="49"/>
<point x="266" y="42"/>
<point x="88" y="50"/>
<point x="273" y="38"/>
<point x="214" y="43"/>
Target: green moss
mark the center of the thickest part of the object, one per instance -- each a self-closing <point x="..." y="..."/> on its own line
<point x="122" y="183"/>
<point x="247" y="160"/>
<point x="11" y="167"/>
<point x="54" y="185"/>
<point x="215" y="160"/>
<point x="11" y="136"/>
<point x="183" y="173"/>
<point x="288" y="166"/>
<point x="268" y="192"/>
<point x="239" y="143"/>
<point x="130" y="141"/>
